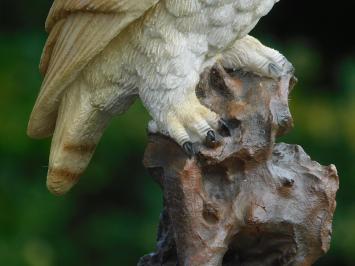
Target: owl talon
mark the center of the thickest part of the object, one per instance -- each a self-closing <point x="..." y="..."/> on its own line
<point x="249" y="54"/>
<point x="224" y="128"/>
<point x="188" y="148"/>
<point x="211" y="136"/>
<point x="274" y="70"/>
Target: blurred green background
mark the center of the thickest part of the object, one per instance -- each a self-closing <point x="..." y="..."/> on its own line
<point x="111" y="217"/>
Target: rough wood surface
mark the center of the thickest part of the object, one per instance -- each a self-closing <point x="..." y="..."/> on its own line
<point x="244" y="200"/>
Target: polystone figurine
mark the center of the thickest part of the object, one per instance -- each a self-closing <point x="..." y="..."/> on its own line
<point x="101" y="54"/>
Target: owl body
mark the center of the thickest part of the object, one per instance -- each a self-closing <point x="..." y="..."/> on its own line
<point x="102" y="54"/>
<point x="163" y="53"/>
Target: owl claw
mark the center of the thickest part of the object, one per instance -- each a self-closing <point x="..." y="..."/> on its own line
<point x="274" y="70"/>
<point x="224" y="128"/>
<point x="188" y="148"/>
<point x="279" y="68"/>
<point x="211" y="136"/>
<point x="249" y="54"/>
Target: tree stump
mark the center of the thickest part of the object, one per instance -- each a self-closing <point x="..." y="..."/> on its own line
<point x="243" y="200"/>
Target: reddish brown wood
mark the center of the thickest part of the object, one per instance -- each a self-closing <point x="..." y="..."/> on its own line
<point x="244" y="200"/>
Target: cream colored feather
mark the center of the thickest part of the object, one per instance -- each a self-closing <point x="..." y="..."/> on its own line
<point x="79" y="30"/>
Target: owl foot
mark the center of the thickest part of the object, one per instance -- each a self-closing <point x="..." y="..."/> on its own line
<point x="251" y="55"/>
<point x="190" y="149"/>
<point x="188" y="123"/>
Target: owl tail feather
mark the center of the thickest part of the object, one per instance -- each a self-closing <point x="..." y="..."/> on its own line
<point x="78" y="130"/>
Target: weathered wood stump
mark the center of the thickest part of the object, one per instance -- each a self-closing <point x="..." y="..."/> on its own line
<point x="244" y="200"/>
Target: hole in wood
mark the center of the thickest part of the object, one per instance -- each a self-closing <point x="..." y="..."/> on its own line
<point x="258" y="245"/>
<point x="210" y="214"/>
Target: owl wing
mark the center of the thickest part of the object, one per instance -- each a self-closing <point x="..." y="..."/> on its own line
<point x="78" y="31"/>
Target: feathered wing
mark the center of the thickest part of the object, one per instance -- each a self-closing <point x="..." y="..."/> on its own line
<point x="78" y="31"/>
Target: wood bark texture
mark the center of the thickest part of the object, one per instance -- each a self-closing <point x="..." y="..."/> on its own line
<point x="243" y="200"/>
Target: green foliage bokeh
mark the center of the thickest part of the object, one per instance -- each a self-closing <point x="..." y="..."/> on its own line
<point x="111" y="217"/>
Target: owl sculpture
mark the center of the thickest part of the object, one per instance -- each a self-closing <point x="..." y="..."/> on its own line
<point x="102" y="54"/>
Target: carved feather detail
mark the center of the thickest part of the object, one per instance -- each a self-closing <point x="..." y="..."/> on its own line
<point x="78" y="31"/>
<point x="76" y="37"/>
<point x="131" y="8"/>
